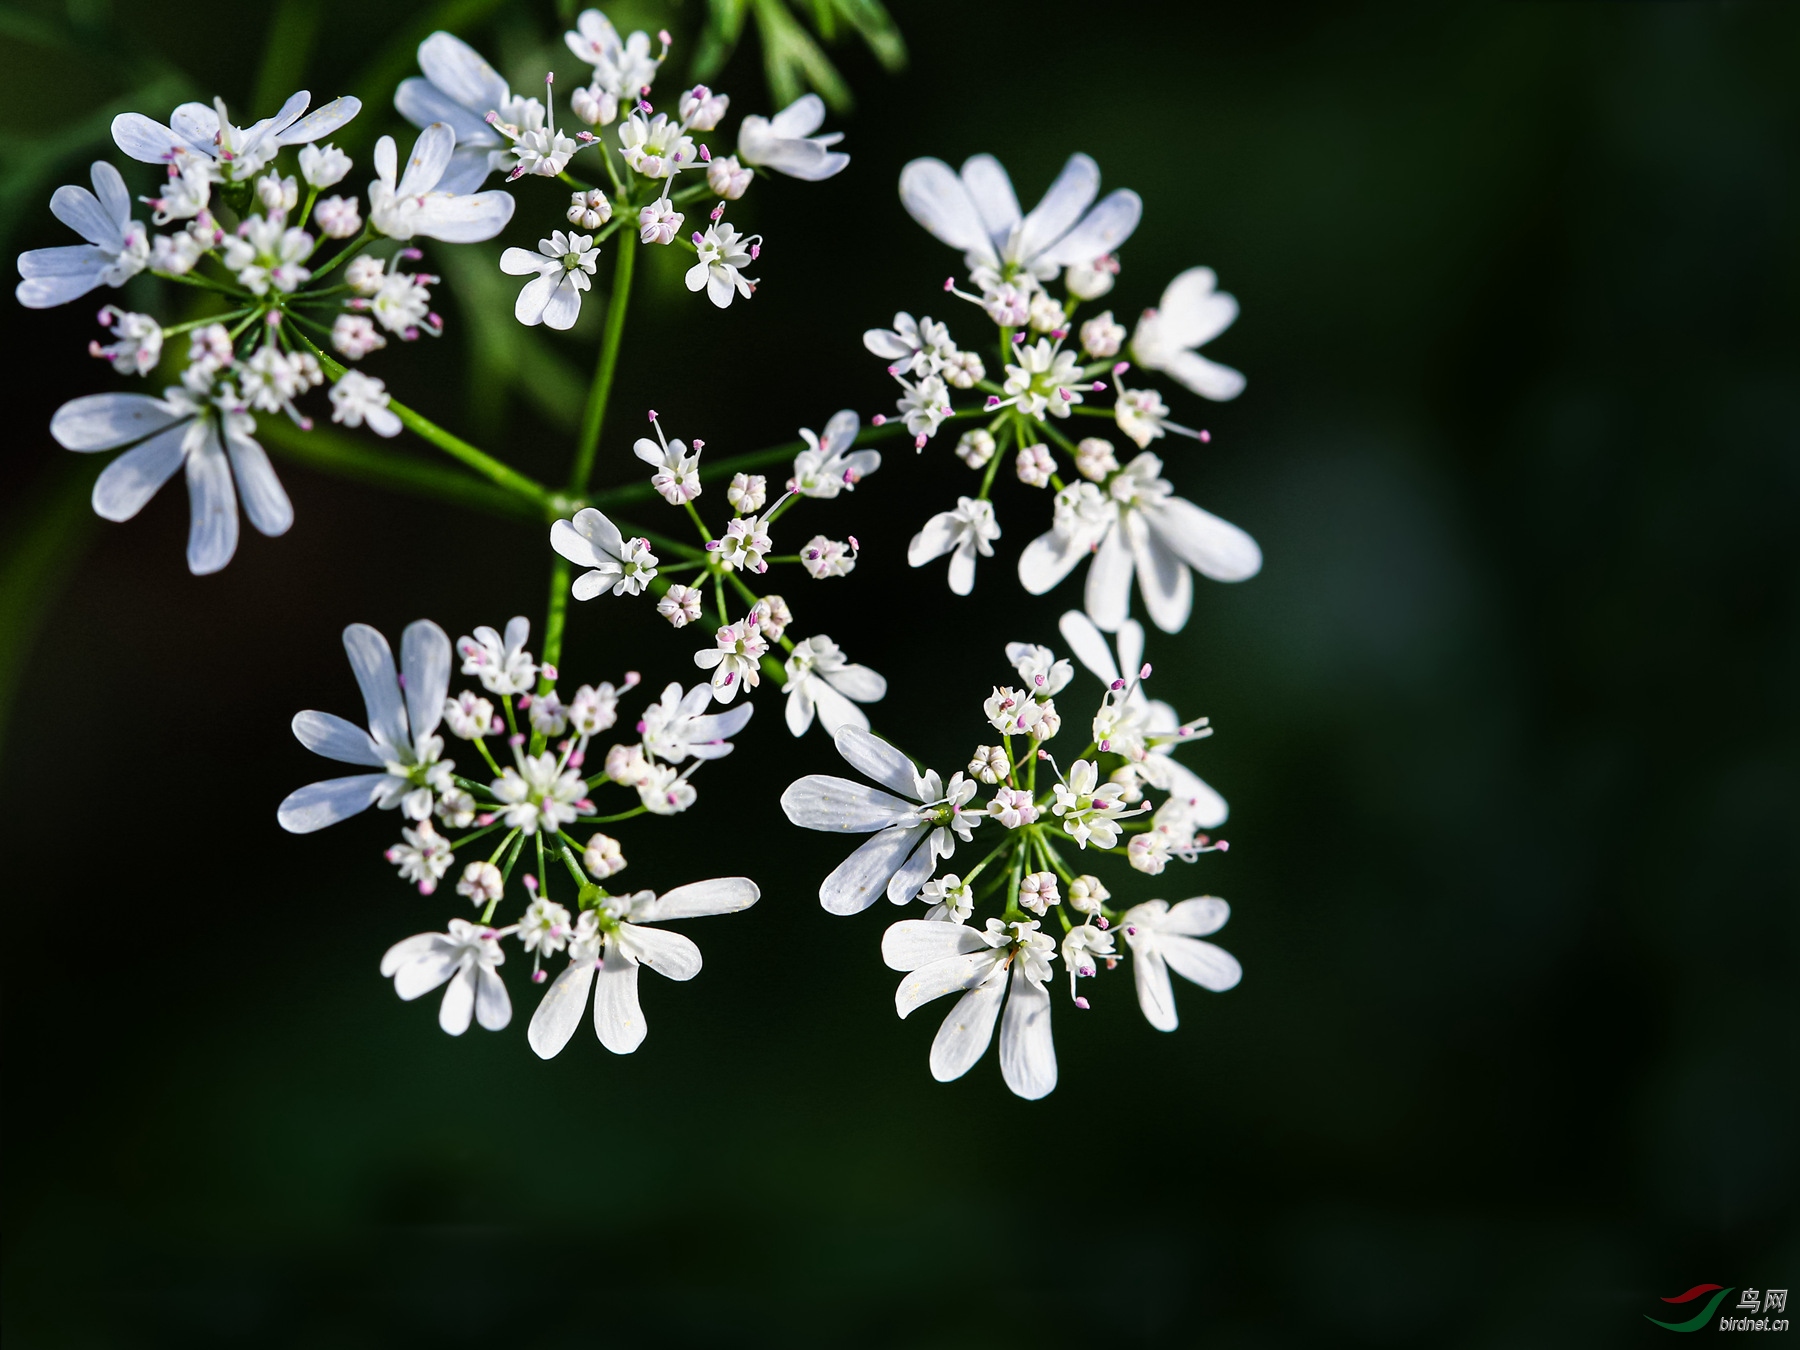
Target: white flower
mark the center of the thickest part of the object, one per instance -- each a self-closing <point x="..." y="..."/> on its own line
<point x="420" y="205"/>
<point x="424" y="856"/>
<point x="950" y="898"/>
<point x="611" y="941"/>
<point x="819" y="678"/>
<point x="116" y="250"/>
<point x="402" y="304"/>
<point x="924" y="406"/>
<point x="1047" y="379"/>
<point x="772" y="615"/>
<point x="1094" y="459"/>
<point x="187" y="193"/>
<point x="1037" y="892"/>
<point x="677" y="476"/>
<point x="916" y="347"/>
<point x="591" y="540"/>
<point x="1146" y="731"/>
<point x="501" y="663"/>
<point x="747" y="493"/>
<point x="323" y="166"/>
<point x="1046" y="314"/>
<point x="177" y="254"/>
<point x="1089" y="809"/>
<point x="976" y="448"/>
<point x="659" y="222"/>
<point x="272" y="379"/>
<point x="622" y="70"/>
<point x="1034" y="466"/>
<point x="665" y="792"/>
<point x="549" y="714"/>
<point x="277" y="195"/>
<point x="828" y="465"/>
<point x="1139" y="524"/>
<point x="468" y="716"/>
<point x="210" y="437"/>
<point x="481" y="883"/>
<point x="467" y="956"/>
<point x="745" y="545"/>
<point x="785" y="142"/>
<point x="589" y="210"/>
<point x="988" y="764"/>
<point x="1084" y="946"/>
<point x="460" y="89"/>
<point x="541" y="794"/>
<point x="338" y="217"/>
<point x="911" y="831"/>
<point x="545" y="929"/>
<point x="234" y="154"/>
<point x="1149" y="852"/>
<point x="824" y="557"/>
<point x="456" y="809"/>
<point x="944" y="958"/>
<point x="594" y="708"/>
<point x="727" y="178"/>
<point x="564" y="264"/>
<point x="979" y="214"/>
<point x="603" y="857"/>
<point x="1142" y="415"/>
<point x="656" y="147"/>
<point x="537" y="146"/>
<point x="357" y="398"/>
<point x="1192" y="313"/>
<point x="1087" y="894"/>
<point x="681" y="605"/>
<point x="139" y="345"/>
<point x="1093" y="279"/>
<point x="736" y="659"/>
<point x="701" y="109"/>
<point x="1164" y="938"/>
<point x="1101" y="338"/>
<point x="968" y="530"/>
<point x="355" y="337"/>
<point x="1012" y="807"/>
<point x="1044" y="675"/>
<point x="724" y="252"/>
<point x="401" y="742"/>
<point x="678" y="725"/>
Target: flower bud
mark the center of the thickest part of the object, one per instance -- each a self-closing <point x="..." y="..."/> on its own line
<point x="701" y="109"/>
<point x="323" y="166"/>
<point x="1101" y="337"/>
<point x="1087" y="894"/>
<point x="728" y="178"/>
<point x="481" y="883"/>
<point x="988" y="764"/>
<point x="1037" y="892"/>
<point x="659" y="223"/>
<point x="975" y="448"/>
<point x="1094" y="458"/>
<point x="1090" y="281"/>
<point x="589" y="210"/>
<point x="1034" y="466"/>
<point x="1046" y="314"/>
<point x="603" y="857"/>
<point x="338" y="217"/>
<point x="594" y="105"/>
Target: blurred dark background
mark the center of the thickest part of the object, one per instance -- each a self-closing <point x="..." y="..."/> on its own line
<point x="1506" y="724"/>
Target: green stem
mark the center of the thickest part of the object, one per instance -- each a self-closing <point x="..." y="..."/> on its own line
<point x="594" y="415"/>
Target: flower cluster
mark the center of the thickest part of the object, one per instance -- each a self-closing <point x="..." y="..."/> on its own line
<point x="1052" y="366"/>
<point x="536" y="799"/>
<point x="819" y="680"/>
<point x="1106" y="803"/>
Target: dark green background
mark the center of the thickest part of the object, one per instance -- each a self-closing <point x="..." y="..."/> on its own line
<point x="1506" y="724"/>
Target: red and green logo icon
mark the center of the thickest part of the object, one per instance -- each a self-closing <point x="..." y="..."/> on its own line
<point x="1701" y="1318"/>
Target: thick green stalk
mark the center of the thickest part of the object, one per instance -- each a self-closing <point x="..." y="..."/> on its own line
<point x="593" y="417"/>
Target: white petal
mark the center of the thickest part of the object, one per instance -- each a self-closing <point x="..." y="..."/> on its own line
<point x="264" y="499"/>
<point x="1207" y="807"/>
<point x="430" y="157"/>
<point x="455" y="67"/>
<point x="874" y="758"/>
<point x="1166" y="584"/>
<point x="421" y="102"/>
<point x="81" y="211"/>
<point x="135" y="476"/>
<point x="372" y="662"/>
<point x="1193" y="311"/>
<point x="1208" y="966"/>
<point x="840" y="431"/>
<point x="912" y="874"/>
<point x="802" y="117"/>
<point x="935" y="197"/>
<point x="317" y="805"/>
<point x="458" y="1007"/>
<point x="144" y="140"/>
<point x="853" y="886"/>
<point x="1155" y="996"/>
<point x="103" y="421"/>
<point x="835" y="711"/>
<point x="618" y="1017"/>
<point x="426" y="969"/>
<point x="800" y="711"/>
<point x="521" y="262"/>
<point x="858" y="682"/>
<point x="1049" y="558"/>
<point x="425" y="657"/>
<point x="885" y="344"/>
<point x="934" y="541"/>
<point x="1131" y="657"/>
<point x="578" y="548"/>
<point x="55" y="276"/>
<point x="493" y="1009"/>
<point x="386" y="158"/>
<point x="469" y="165"/>
<point x="564" y="306"/>
<point x="1101" y="231"/>
<point x="559" y="1014"/>
<point x="946" y="975"/>
<point x="322" y="122"/>
<point x="329" y="735"/>
<point x="1108" y="595"/>
<point x="964" y="1036"/>
<point x="196" y="125"/>
<point x="406" y="951"/>
<point x="671" y="954"/>
<point x="1198" y="917"/>
<point x="1089" y="645"/>
<point x="722" y="895"/>
<point x="109" y="187"/>
<point x="913" y="943"/>
<point x="464" y="220"/>
<point x="1212" y="547"/>
<point x="822" y="802"/>
<point x="992" y="192"/>
<point x="1027" y="1051"/>
<point x="1061" y="207"/>
<point x="962" y="568"/>
<point x="212" y="507"/>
